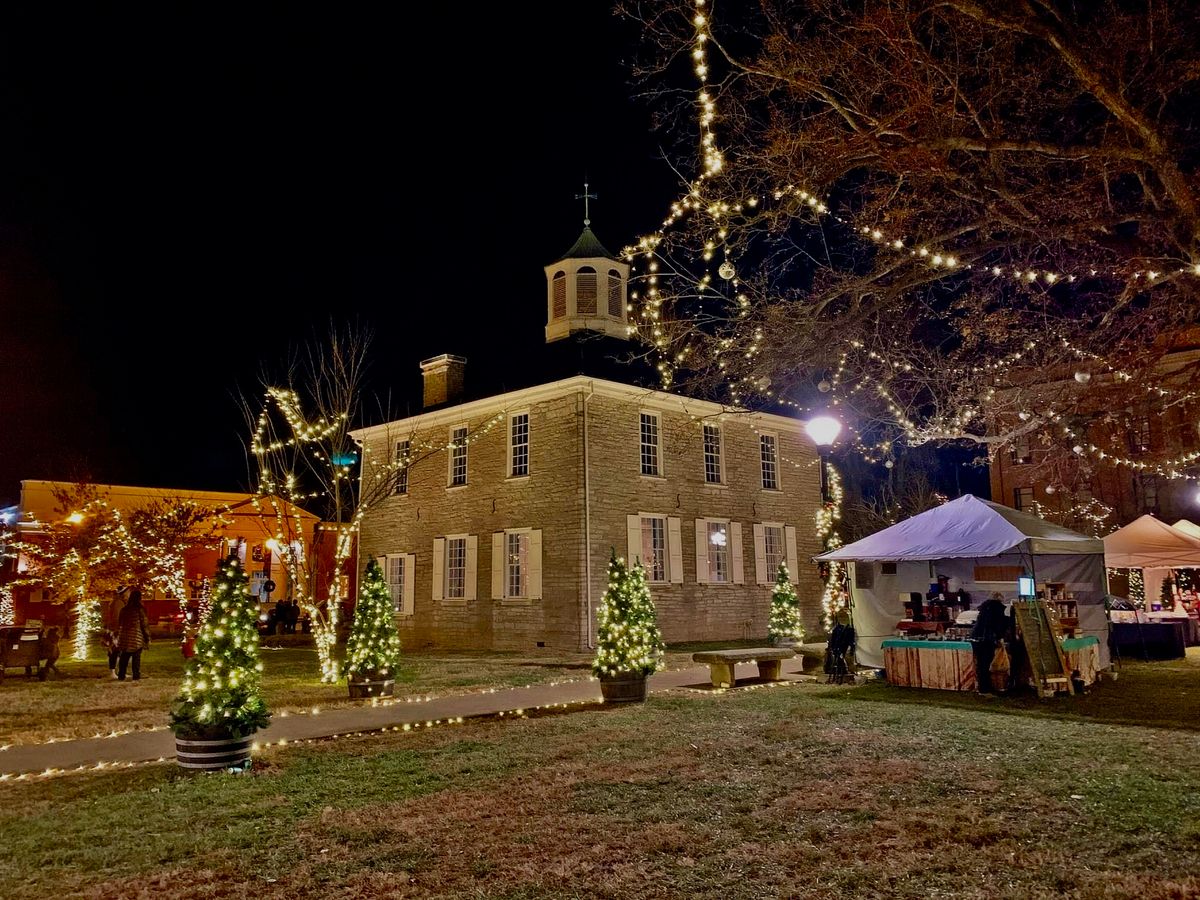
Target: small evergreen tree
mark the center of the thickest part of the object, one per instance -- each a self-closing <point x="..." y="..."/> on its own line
<point x="373" y="649"/>
<point x="221" y="696"/>
<point x="784" y="623"/>
<point x="628" y="639"/>
<point x="1167" y="595"/>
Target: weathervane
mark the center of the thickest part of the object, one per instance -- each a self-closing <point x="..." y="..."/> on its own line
<point x="585" y="197"/>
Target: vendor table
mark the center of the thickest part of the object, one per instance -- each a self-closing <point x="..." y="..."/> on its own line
<point x="950" y="665"/>
<point x="1149" y="640"/>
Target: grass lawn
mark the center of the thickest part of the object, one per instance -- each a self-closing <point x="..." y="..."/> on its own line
<point x="86" y="701"/>
<point x="802" y="791"/>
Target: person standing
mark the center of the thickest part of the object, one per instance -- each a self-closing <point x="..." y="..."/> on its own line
<point x="989" y="629"/>
<point x="133" y="635"/>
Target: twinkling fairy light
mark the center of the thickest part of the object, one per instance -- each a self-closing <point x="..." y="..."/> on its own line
<point x="373" y="649"/>
<point x="784" y="622"/>
<point x="833" y="596"/>
<point x="628" y="640"/>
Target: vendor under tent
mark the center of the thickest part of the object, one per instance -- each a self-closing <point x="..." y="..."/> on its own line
<point x="984" y="547"/>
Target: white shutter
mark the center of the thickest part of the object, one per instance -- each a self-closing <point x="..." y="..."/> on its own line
<point x="534" y="589"/>
<point x="674" y="551"/>
<point x="701" y="551"/>
<point x="439" y="569"/>
<point x="633" y="538"/>
<point x="760" y="554"/>
<point x="789" y="532"/>
<point x="497" y="565"/>
<point x="472" y="591"/>
<point x="410" y="584"/>
<point x="739" y="567"/>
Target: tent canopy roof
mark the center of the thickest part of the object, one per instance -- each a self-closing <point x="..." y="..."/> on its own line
<point x="965" y="528"/>
<point x="1187" y="527"/>
<point x="1148" y="543"/>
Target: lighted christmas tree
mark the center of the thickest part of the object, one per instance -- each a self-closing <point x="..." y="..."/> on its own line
<point x="221" y="696"/>
<point x="1167" y="595"/>
<point x="373" y="649"/>
<point x="628" y="639"/>
<point x="784" y="623"/>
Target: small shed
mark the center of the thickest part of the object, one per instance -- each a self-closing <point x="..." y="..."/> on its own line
<point x="985" y="547"/>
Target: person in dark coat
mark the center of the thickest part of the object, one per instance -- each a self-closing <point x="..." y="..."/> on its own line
<point x="991" y="627"/>
<point x="133" y="635"/>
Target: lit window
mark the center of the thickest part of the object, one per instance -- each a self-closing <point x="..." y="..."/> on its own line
<point x="1023" y="498"/>
<point x="650" y="447"/>
<point x="518" y="435"/>
<point x="712" y="454"/>
<point x="560" y="295"/>
<point x="458" y="456"/>
<point x="585" y="292"/>
<point x="654" y="548"/>
<point x="402" y="451"/>
<point x="396" y="575"/>
<point x="616" y="306"/>
<point x="770" y="462"/>
<point x="517" y="580"/>
<point x="773" y="549"/>
<point x="718" y="552"/>
<point x="456" y="568"/>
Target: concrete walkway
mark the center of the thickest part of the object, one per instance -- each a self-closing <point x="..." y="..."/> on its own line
<point x="148" y="746"/>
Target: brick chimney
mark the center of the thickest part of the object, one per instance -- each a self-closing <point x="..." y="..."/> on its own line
<point x="443" y="380"/>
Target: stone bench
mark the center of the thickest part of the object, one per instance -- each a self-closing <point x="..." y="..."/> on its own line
<point x="721" y="662"/>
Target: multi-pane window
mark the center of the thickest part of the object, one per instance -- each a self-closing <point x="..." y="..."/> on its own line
<point x="616" y="308"/>
<point x="585" y="292"/>
<point x="718" y="552"/>
<point x="649" y="444"/>
<point x="712" y="454"/>
<point x="770" y="462"/>
<point x="396" y="576"/>
<point x="773" y="549"/>
<point x="517" y="564"/>
<point x="1149" y="492"/>
<point x="654" y="547"/>
<point x="518" y="432"/>
<point x="456" y="568"/>
<point x="458" y="456"/>
<point x="1023" y="498"/>
<point x="1139" y="435"/>
<point x="560" y="294"/>
<point x="403" y="448"/>
<point x="1020" y="453"/>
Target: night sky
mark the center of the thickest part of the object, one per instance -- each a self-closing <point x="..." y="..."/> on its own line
<point x="187" y="192"/>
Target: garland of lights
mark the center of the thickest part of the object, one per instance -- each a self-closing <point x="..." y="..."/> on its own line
<point x="784" y="623"/>
<point x="373" y="649"/>
<point x="8" y="611"/>
<point x="628" y="640"/>
<point x="833" y="598"/>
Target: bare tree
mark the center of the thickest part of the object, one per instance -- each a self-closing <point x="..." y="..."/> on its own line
<point x="958" y="219"/>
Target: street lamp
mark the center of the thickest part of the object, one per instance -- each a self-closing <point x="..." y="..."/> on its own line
<point x="823" y="430"/>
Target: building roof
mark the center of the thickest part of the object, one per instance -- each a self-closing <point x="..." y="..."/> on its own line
<point x="965" y="528"/>
<point x="587" y="246"/>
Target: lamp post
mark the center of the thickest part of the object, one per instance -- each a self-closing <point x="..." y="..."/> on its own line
<point x="823" y="430"/>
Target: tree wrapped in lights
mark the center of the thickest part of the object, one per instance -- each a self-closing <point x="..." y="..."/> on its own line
<point x="784" y="623"/>
<point x="220" y="696"/>
<point x="627" y="638"/>
<point x="833" y="597"/>
<point x="1016" y="261"/>
<point x="373" y="649"/>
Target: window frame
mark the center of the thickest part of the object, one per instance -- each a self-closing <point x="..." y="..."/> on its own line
<point x="720" y="452"/>
<point x="595" y="292"/>
<point x="1018" y="493"/>
<point x="644" y="414"/>
<point x="763" y="438"/>
<point x="512" y="446"/>
<point x="666" y="547"/>
<point x="558" y="292"/>
<point x="1021" y="451"/>
<point x="614" y="291"/>
<point x="398" y="588"/>
<point x="401" y="489"/>
<point x="523" y="536"/>
<point x="714" y="551"/>
<point x="773" y="571"/>
<point x="452" y="452"/>
<point x="450" y="540"/>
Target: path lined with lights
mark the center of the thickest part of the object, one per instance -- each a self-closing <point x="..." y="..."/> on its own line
<point x="33" y="761"/>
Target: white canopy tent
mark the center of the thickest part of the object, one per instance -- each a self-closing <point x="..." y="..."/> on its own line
<point x="1187" y="527"/>
<point x="1154" y="547"/>
<point x="981" y="544"/>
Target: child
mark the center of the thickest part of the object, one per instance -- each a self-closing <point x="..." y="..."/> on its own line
<point x="108" y="640"/>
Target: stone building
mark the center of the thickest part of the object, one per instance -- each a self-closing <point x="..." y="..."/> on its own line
<point x="501" y="527"/>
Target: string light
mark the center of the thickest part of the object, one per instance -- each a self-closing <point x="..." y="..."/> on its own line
<point x="628" y="640"/>
<point x="833" y="596"/>
<point x="784" y="623"/>
<point x="373" y="648"/>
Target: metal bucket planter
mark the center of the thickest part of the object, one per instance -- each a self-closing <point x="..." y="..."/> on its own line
<point x="363" y="690"/>
<point x="213" y="755"/>
<point x="624" y="687"/>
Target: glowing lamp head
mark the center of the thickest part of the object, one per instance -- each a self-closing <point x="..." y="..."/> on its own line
<point x="75" y="518"/>
<point x="272" y="545"/>
<point x="823" y="430"/>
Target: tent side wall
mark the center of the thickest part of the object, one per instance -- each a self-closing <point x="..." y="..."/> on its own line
<point x="879" y="607"/>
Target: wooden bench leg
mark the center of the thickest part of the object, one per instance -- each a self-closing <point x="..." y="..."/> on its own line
<point x="770" y="669"/>
<point x="721" y="674"/>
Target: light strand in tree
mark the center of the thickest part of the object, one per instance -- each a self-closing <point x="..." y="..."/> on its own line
<point x="833" y="596"/>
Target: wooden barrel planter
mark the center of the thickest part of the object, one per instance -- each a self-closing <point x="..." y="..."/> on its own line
<point x="213" y="755"/>
<point x="623" y="688"/>
<point x="363" y="690"/>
